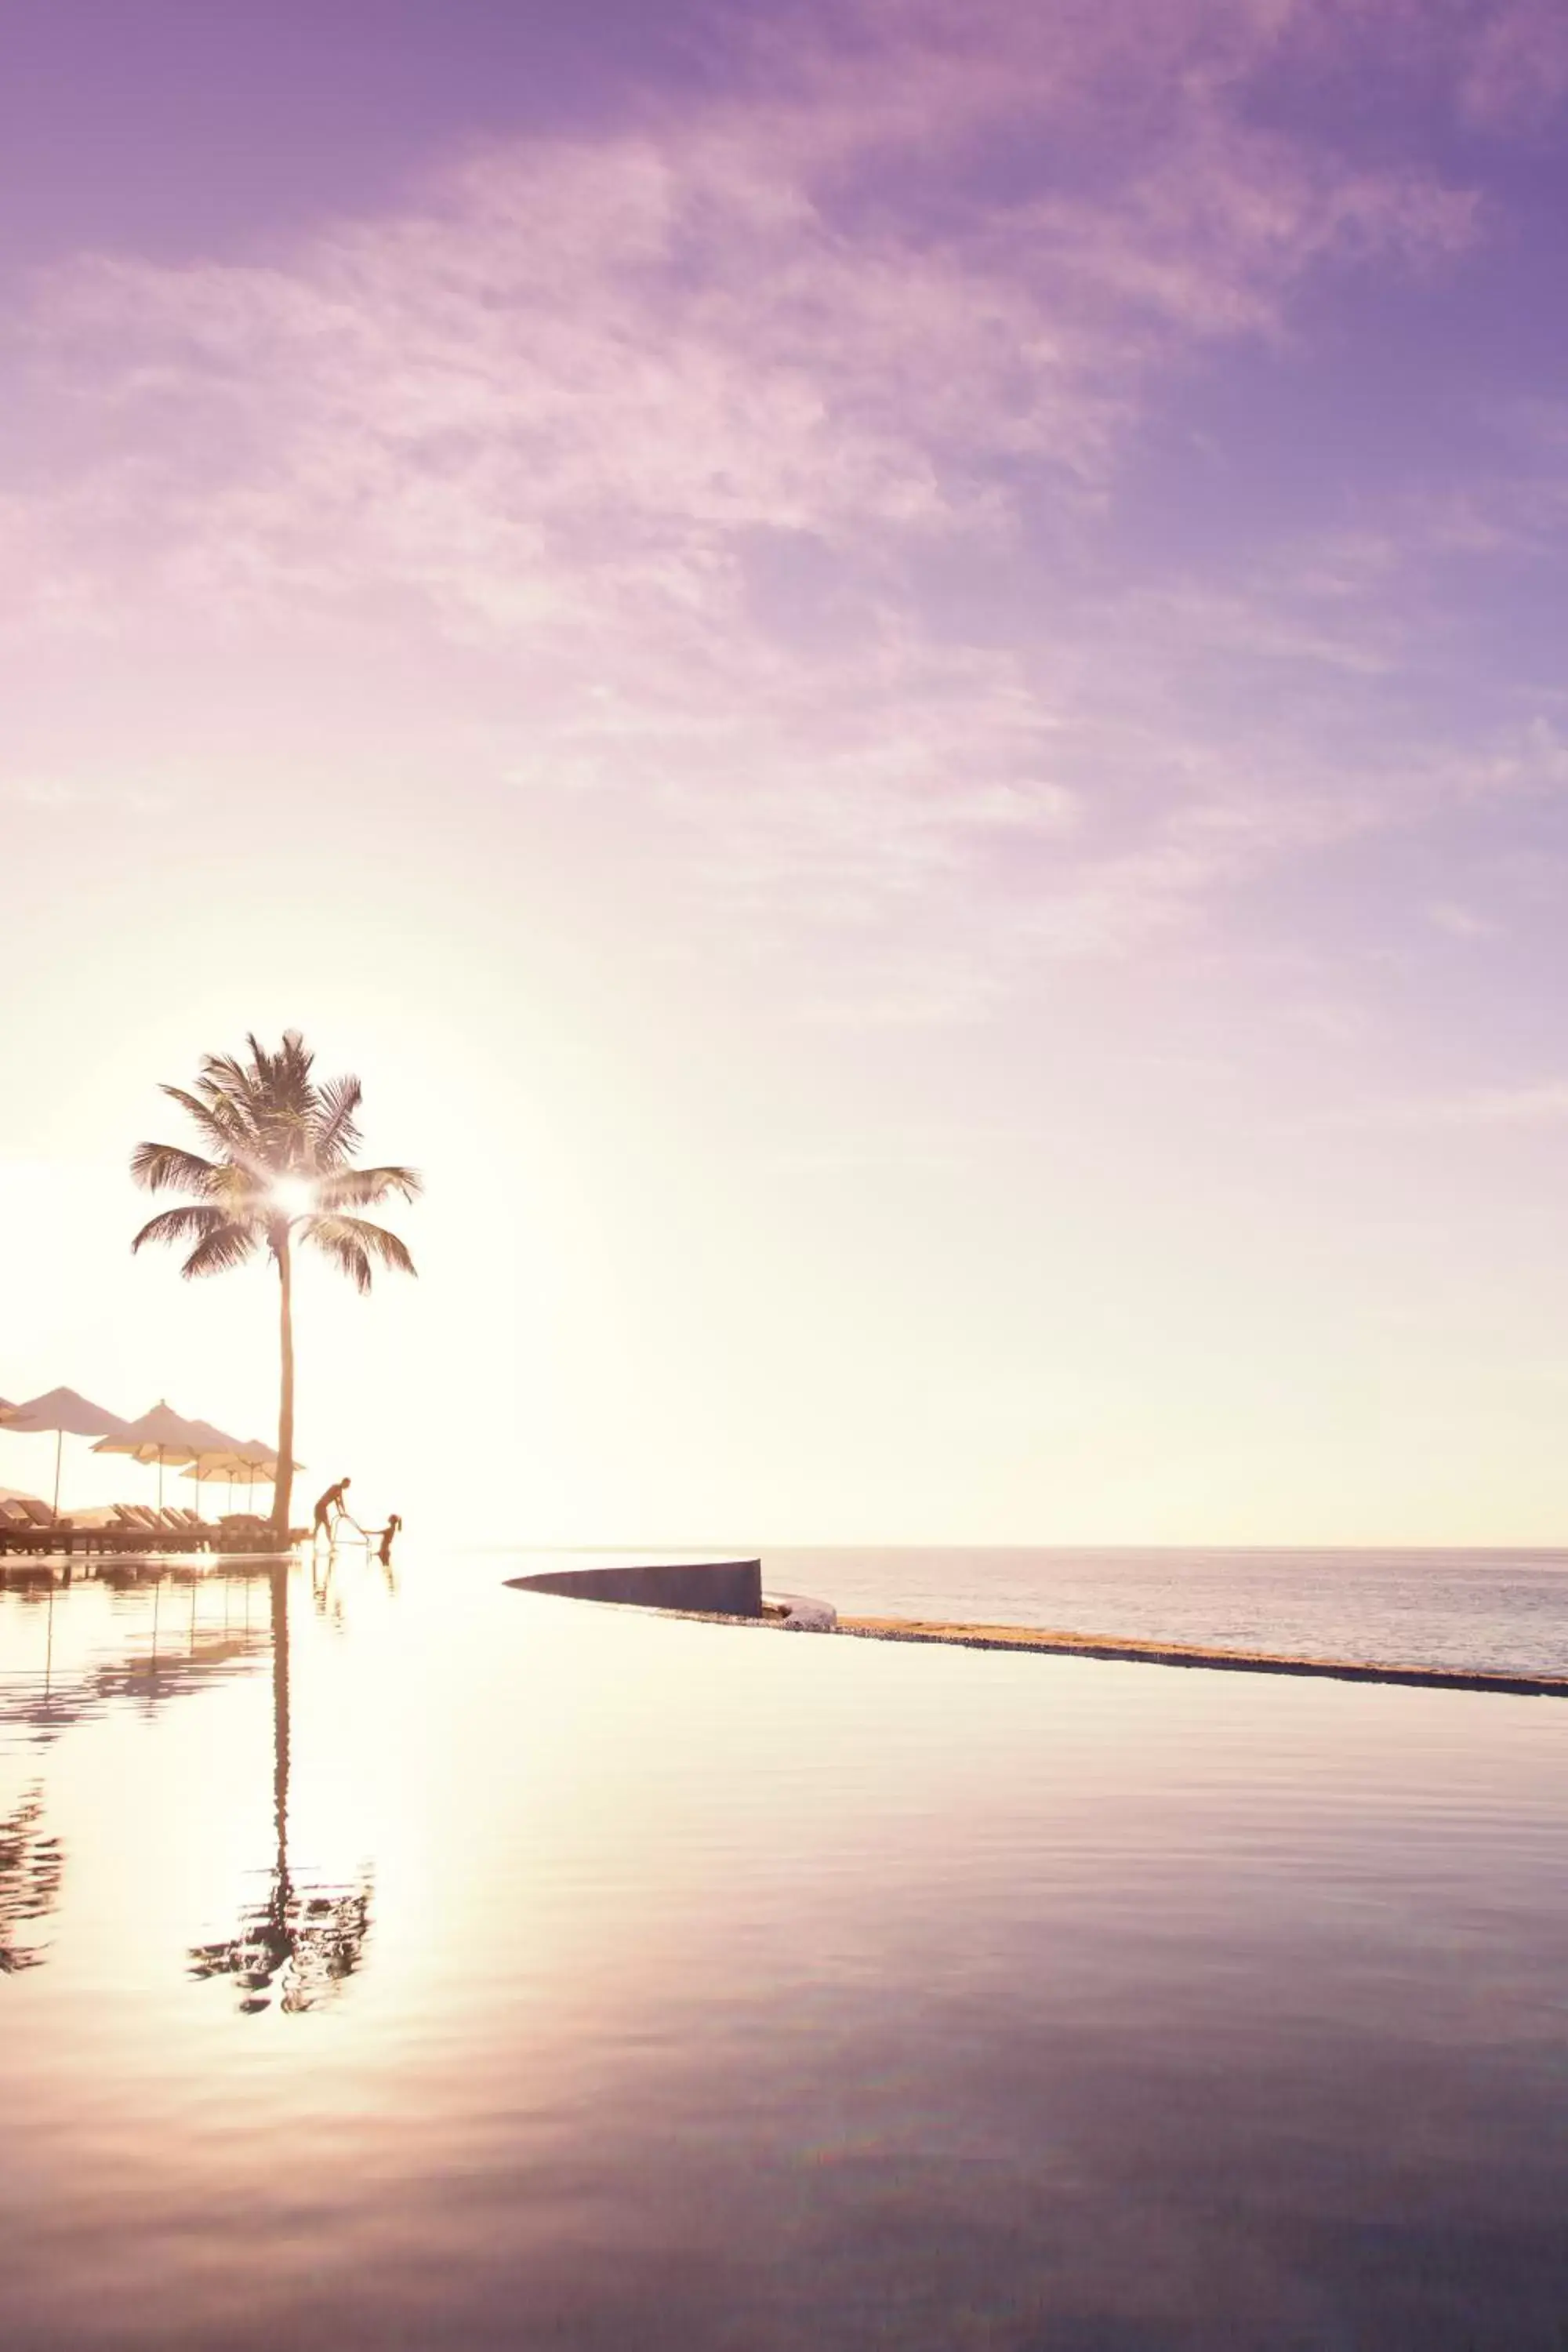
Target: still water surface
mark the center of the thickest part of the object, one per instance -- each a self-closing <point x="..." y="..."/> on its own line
<point x="477" y="1969"/>
<point x="1502" y="1611"/>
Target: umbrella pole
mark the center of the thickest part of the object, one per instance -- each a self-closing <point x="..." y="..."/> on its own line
<point x="60" y="1441"/>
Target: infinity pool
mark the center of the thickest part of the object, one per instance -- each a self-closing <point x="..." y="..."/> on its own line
<point x="470" y="1968"/>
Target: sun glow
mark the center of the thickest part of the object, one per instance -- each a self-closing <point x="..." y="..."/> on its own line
<point x="295" y="1195"/>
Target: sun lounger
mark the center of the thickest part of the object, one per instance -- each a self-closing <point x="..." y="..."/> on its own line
<point x="242" y="1531"/>
<point x="142" y="1528"/>
<point x="183" y="1527"/>
<point x="101" y="1535"/>
<point x="29" y="1526"/>
<point x="112" y="1535"/>
<point x="17" y="1533"/>
<point x="47" y="1523"/>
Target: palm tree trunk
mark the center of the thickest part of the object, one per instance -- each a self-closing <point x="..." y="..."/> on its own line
<point x="282" y="1492"/>
<point x="279" y="1581"/>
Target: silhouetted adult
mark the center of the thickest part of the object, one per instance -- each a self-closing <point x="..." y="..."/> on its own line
<point x="330" y="1509"/>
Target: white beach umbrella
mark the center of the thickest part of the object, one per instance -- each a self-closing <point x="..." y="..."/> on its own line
<point x="213" y="1467"/>
<point x="255" y="1464"/>
<point x="62" y="1413"/>
<point x="238" y="1468"/>
<point x="163" y="1435"/>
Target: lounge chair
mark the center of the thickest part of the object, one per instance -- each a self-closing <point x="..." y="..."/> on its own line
<point x="109" y="1534"/>
<point x="203" y="1533"/>
<point x="242" y="1531"/>
<point x="142" y="1527"/>
<point x="34" y="1528"/>
<point x="18" y="1532"/>
<point x="184" y="1528"/>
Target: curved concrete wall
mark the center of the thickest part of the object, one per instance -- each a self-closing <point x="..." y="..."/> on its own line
<point x="727" y="1588"/>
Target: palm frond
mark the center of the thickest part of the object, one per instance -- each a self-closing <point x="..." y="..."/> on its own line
<point x="225" y="1246"/>
<point x="345" y="1252"/>
<point x="352" y="1243"/>
<point x="337" y="1134"/>
<point x="239" y="1192"/>
<point x="285" y="1104"/>
<point x="292" y="1064"/>
<point x="281" y="1081"/>
<point x="166" y="1168"/>
<point x="189" y="1223"/>
<point x="222" y="1121"/>
<point x="362" y="1188"/>
<point x="226" y="1073"/>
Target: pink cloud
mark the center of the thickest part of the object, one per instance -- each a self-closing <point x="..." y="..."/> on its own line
<point x="561" y="400"/>
<point x="1517" y="69"/>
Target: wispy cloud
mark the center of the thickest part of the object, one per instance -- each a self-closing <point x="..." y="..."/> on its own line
<point x="1460" y="922"/>
<point x="64" y="797"/>
<point x="1544" y="1104"/>
<point x="1516" y="70"/>
<point x="700" y="422"/>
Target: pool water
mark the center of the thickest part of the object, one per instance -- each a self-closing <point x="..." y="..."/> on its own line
<point x="414" y="1962"/>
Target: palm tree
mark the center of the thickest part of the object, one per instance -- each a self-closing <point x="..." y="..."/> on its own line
<point x="281" y="1172"/>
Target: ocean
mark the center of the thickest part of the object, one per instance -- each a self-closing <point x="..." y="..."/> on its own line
<point x="1497" y="1611"/>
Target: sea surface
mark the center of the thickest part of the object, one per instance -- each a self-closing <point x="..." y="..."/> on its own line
<point x="408" y="1961"/>
<point x="1503" y="1612"/>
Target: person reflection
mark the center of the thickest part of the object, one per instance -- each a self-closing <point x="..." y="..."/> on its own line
<point x="321" y="1592"/>
<point x="304" y="1938"/>
<point x="32" y="1867"/>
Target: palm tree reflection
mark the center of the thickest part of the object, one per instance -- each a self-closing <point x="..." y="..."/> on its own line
<point x="302" y="1938"/>
<point x="31" y="1868"/>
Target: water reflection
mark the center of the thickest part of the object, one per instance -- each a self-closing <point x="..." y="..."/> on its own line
<point x="729" y="1990"/>
<point x="142" y="1640"/>
<point x="174" y="1657"/>
<point x="326" y="1600"/>
<point x="304" y="1937"/>
<point x="32" y="1865"/>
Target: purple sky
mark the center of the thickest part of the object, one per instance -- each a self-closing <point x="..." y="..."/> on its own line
<point x="909" y="651"/>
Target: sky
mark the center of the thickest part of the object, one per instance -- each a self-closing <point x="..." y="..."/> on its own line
<point x="894" y="673"/>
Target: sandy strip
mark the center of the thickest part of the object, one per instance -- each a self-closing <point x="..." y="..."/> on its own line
<point x="1185" y="1654"/>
